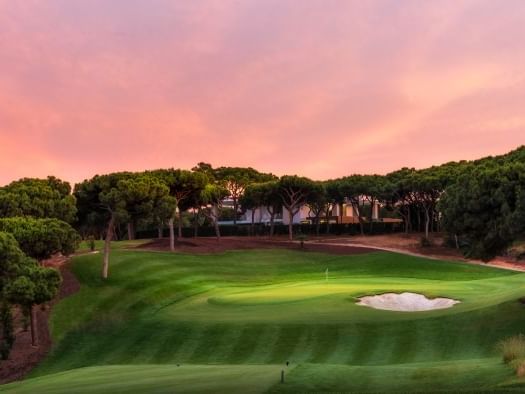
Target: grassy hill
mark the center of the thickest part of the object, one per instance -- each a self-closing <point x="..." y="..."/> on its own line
<point x="231" y="321"/>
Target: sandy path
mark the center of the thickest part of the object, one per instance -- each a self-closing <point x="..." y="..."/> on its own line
<point x="498" y="262"/>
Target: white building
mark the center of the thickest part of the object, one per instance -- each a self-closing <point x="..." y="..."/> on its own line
<point x="339" y="213"/>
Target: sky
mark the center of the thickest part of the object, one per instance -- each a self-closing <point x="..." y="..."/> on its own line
<point x="320" y="88"/>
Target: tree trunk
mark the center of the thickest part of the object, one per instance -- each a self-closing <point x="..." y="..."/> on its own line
<point x="216" y="222"/>
<point x="405" y="221"/>
<point x="372" y="207"/>
<point x="180" y="224"/>
<point x="131" y="231"/>
<point x="328" y="219"/>
<point x="34" y="329"/>
<point x="253" y="222"/>
<point x="172" y="234"/>
<point x="272" y="223"/>
<point x="195" y="223"/>
<point x="355" y="207"/>
<point x="290" y="225"/>
<point x="107" y="246"/>
<point x="235" y="206"/>
<point x="427" y="223"/>
<point x="318" y="224"/>
<point x="160" y="232"/>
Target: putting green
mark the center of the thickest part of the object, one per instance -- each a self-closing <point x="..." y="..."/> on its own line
<point x="225" y="316"/>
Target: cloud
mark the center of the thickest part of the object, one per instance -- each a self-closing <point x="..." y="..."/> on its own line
<point x="320" y="88"/>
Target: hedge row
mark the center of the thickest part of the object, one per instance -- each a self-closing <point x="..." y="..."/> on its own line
<point x="280" y="229"/>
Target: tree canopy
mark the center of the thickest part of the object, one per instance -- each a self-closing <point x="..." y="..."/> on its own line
<point x="39" y="198"/>
<point x="41" y="238"/>
<point x="294" y="192"/>
<point x="486" y="208"/>
<point x="22" y="282"/>
<point x="115" y="198"/>
<point x="236" y="179"/>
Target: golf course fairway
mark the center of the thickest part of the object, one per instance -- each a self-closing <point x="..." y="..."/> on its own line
<point x="231" y="322"/>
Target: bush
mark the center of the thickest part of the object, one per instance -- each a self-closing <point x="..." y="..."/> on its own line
<point x="512" y="348"/>
<point x="517" y="251"/>
<point x="519" y="367"/>
<point x="91" y="243"/>
<point x="425" y="242"/>
<point x="301" y="238"/>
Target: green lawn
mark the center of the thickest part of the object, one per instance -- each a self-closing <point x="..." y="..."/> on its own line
<point x="84" y="246"/>
<point x="232" y="320"/>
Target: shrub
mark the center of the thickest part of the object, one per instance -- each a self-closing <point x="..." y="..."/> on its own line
<point x="91" y="243"/>
<point x="519" y="367"/>
<point x="301" y="238"/>
<point x="425" y="242"/>
<point x="512" y="348"/>
<point x="517" y="251"/>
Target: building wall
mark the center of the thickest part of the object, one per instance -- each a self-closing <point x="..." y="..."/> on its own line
<point x="263" y="216"/>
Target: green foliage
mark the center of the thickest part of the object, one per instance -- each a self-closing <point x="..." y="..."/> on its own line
<point x="91" y="243"/>
<point x="270" y="197"/>
<point x="124" y="196"/>
<point x="236" y="179"/>
<point x="184" y="186"/>
<point x="7" y="336"/>
<point x="12" y="259"/>
<point x="22" y="282"/>
<point x="39" y="198"/>
<point x="296" y="191"/>
<point x="41" y="238"/>
<point x="253" y="196"/>
<point x="485" y="208"/>
<point x="97" y="199"/>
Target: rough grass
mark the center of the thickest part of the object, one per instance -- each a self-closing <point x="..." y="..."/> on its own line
<point x="243" y="309"/>
<point x="512" y="348"/>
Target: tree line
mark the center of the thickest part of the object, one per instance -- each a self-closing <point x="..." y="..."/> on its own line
<point x="480" y="205"/>
<point x="35" y="224"/>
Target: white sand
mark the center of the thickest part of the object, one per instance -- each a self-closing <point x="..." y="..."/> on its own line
<point x="406" y="302"/>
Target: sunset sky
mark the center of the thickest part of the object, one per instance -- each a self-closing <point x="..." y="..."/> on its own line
<point x="321" y="88"/>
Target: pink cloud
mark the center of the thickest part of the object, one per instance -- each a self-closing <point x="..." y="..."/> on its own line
<point x="320" y="88"/>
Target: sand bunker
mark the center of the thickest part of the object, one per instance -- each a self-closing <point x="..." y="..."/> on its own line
<point x="406" y="302"/>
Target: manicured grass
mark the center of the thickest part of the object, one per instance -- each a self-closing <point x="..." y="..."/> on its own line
<point x="153" y="379"/>
<point x="476" y="376"/>
<point x="239" y="310"/>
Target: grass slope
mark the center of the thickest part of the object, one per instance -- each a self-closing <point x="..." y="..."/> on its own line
<point x="479" y="376"/>
<point x="267" y="307"/>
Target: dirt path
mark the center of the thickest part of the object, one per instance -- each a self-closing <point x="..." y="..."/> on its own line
<point x="24" y="357"/>
<point x="411" y="249"/>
